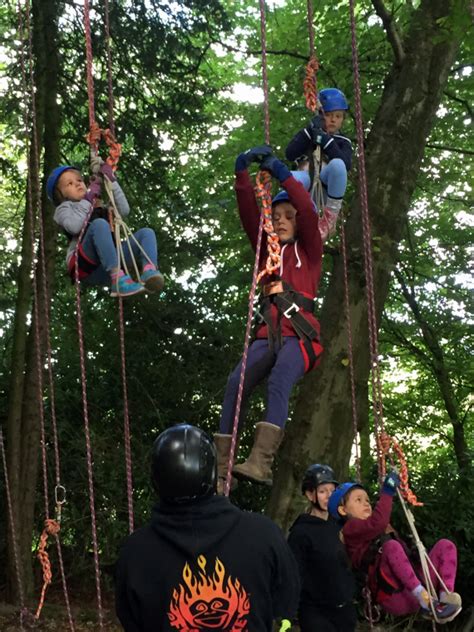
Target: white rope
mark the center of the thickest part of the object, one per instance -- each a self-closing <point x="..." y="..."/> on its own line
<point x="122" y="234"/>
<point x="424" y="558"/>
<point x="317" y="192"/>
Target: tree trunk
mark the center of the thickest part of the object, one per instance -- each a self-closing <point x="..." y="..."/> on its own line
<point x="322" y="426"/>
<point x="23" y="425"/>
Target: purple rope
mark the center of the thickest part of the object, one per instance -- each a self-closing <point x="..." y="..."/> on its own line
<point x="248" y="328"/>
<point x="367" y="238"/>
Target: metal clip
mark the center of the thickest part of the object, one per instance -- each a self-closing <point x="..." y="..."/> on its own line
<point x="293" y="309"/>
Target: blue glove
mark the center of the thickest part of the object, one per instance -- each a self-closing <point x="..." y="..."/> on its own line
<point x="390" y="484"/>
<point x="256" y="154"/>
<point x="317" y="132"/>
<point x="276" y="167"/>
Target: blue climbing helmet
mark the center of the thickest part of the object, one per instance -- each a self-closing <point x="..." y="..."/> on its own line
<point x="53" y="179"/>
<point x="301" y="176"/>
<point x="338" y="495"/>
<point x="333" y="99"/>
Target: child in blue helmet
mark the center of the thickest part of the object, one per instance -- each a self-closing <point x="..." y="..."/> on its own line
<point x="375" y="549"/>
<point x="286" y="343"/>
<point x="327" y="583"/>
<point x="97" y="252"/>
<point x="324" y="130"/>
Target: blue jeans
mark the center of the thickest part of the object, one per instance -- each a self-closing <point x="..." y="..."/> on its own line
<point x="283" y="367"/>
<point x="334" y="178"/>
<point x="98" y="245"/>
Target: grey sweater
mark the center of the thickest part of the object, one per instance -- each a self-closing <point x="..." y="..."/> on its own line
<point x="71" y="215"/>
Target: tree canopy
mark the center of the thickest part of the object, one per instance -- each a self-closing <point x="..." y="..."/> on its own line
<point x="188" y="99"/>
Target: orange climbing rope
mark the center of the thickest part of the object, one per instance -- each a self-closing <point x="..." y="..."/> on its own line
<point x="389" y="447"/>
<point x="96" y="134"/>
<point x="263" y="191"/>
<point x="310" y="85"/>
<point x="51" y="527"/>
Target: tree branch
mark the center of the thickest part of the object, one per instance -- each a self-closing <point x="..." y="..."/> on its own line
<point x="391" y="29"/>
<point x="463" y="102"/>
<point x="454" y="150"/>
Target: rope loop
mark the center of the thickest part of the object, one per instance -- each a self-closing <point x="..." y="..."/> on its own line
<point x="310" y="84"/>
<point x="96" y="134"/>
<point x="51" y="528"/>
<point x="263" y="193"/>
<point x="388" y="446"/>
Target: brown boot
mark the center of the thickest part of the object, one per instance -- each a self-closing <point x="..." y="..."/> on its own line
<point x="223" y="443"/>
<point x="258" y="466"/>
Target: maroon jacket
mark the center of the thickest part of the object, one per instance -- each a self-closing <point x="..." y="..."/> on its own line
<point x="359" y="534"/>
<point x="300" y="261"/>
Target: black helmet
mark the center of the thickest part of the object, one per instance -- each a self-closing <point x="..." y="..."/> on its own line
<point x="184" y="464"/>
<point x="317" y="474"/>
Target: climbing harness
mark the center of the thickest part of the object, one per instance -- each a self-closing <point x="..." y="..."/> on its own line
<point x="289" y="304"/>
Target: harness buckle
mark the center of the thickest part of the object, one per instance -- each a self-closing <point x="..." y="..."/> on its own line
<point x="258" y="317"/>
<point x="292" y="309"/>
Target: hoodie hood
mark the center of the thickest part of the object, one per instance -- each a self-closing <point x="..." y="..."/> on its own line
<point x="190" y="527"/>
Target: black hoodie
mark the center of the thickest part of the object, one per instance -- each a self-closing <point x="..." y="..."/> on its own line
<point x="205" y="566"/>
<point x="326" y="578"/>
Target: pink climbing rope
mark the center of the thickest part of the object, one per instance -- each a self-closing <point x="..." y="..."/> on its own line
<point x="367" y="243"/>
<point x="42" y="260"/>
<point x="126" y="416"/>
<point x="248" y="328"/>
<point x="350" y="352"/>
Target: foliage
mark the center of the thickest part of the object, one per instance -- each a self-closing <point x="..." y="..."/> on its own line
<point x="182" y="114"/>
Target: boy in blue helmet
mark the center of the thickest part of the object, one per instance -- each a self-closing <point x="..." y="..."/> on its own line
<point x="376" y="551"/>
<point x="97" y="252"/>
<point x="286" y="343"/>
<point x="324" y="131"/>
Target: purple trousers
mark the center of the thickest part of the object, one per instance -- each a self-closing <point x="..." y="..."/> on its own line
<point x="283" y="367"/>
<point x="398" y="569"/>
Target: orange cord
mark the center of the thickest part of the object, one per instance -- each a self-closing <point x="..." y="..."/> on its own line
<point x="51" y="527"/>
<point x="263" y="192"/>
<point x="96" y="134"/>
<point x="309" y="85"/>
<point x="390" y="447"/>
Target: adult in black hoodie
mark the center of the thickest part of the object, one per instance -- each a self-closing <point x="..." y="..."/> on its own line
<point x="328" y="587"/>
<point x="202" y="564"/>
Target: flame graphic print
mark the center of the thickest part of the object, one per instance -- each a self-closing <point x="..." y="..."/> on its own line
<point x="209" y="601"/>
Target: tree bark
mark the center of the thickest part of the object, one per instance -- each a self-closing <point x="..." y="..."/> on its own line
<point x="321" y="429"/>
<point x="23" y="425"/>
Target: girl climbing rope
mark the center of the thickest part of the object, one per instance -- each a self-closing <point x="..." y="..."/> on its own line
<point x="286" y="341"/>
<point x="376" y="550"/>
<point x="324" y="131"/>
<point x="97" y="252"/>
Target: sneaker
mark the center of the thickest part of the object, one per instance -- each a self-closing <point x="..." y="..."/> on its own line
<point x="450" y="597"/>
<point x="126" y="286"/>
<point x="154" y="281"/>
<point x="445" y="612"/>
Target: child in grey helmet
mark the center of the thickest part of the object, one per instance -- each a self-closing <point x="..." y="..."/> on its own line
<point x="327" y="584"/>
